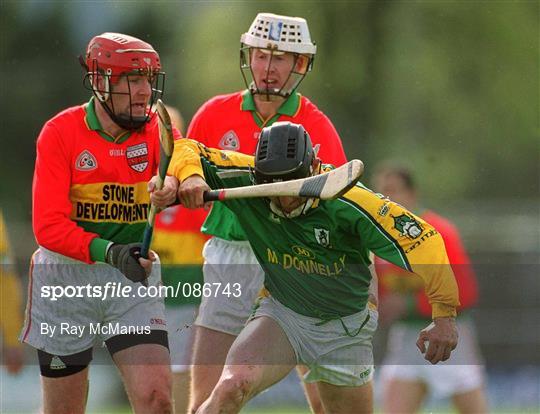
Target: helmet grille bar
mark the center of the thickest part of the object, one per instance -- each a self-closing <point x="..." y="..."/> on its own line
<point x="291" y="147"/>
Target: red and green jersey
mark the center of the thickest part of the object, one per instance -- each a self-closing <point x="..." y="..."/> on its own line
<point x="395" y="279"/>
<point x="89" y="188"/>
<point x="231" y="122"/>
<point x="317" y="264"/>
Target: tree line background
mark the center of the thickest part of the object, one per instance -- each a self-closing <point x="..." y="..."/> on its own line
<point x="450" y="88"/>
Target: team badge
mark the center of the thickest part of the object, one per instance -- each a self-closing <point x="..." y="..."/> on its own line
<point x="137" y="157"/>
<point x="322" y="236"/>
<point x="275" y="31"/>
<point x="86" y="161"/>
<point x="229" y="141"/>
<point x="407" y="226"/>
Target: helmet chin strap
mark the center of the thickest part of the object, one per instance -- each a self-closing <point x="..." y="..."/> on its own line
<point x="301" y="209"/>
<point x="127" y="122"/>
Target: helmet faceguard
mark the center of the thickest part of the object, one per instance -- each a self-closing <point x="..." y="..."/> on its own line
<point x="109" y="57"/>
<point x="276" y="35"/>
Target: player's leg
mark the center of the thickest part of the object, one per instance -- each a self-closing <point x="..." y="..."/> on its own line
<point x="64" y="381"/>
<point x="63" y="356"/>
<point x="181" y="382"/>
<point x="222" y="316"/>
<point x="403" y="396"/>
<point x="338" y="399"/>
<point x="471" y="402"/>
<point x="311" y="391"/>
<point x="180" y="318"/>
<point x="145" y="371"/>
<point x="342" y="362"/>
<point x="261" y="356"/>
<point x="209" y="355"/>
<point x="142" y="356"/>
<point x="65" y="395"/>
<point x="466" y="373"/>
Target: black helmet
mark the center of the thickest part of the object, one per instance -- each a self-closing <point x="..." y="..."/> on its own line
<point x="284" y="152"/>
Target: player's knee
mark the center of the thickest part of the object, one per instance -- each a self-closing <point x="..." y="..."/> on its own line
<point x="156" y="398"/>
<point x="158" y="401"/>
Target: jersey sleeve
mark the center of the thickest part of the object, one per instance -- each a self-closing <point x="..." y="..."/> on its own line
<point x="193" y="158"/>
<point x="461" y="264"/>
<point x="331" y="148"/>
<point x="398" y="236"/>
<point x="51" y="206"/>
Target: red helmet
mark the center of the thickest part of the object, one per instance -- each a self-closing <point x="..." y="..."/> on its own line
<point x="115" y="54"/>
<point x="111" y="55"/>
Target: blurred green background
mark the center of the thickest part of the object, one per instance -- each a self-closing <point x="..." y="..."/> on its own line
<point x="450" y="88"/>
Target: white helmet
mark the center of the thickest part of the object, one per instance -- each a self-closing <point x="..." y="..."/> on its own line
<point x="278" y="34"/>
<point x="282" y="33"/>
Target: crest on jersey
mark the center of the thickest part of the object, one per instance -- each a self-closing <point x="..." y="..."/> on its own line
<point x="407" y="226"/>
<point x="229" y="141"/>
<point x="86" y="161"/>
<point x="137" y="157"/>
<point x="322" y="236"/>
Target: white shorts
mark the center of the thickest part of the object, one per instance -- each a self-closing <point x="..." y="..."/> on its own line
<point x="461" y="373"/>
<point x="229" y="262"/>
<point x="331" y="355"/>
<point x="69" y="325"/>
<point x="180" y="320"/>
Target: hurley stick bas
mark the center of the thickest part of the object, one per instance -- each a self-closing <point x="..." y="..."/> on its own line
<point x="325" y="186"/>
<point x="166" y="141"/>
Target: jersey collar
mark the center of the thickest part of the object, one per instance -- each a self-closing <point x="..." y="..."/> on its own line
<point x="290" y="107"/>
<point x="93" y="124"/>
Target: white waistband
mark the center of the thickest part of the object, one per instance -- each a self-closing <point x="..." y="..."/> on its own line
<point x="231" y="242"/>
<point x="59" y="257"/>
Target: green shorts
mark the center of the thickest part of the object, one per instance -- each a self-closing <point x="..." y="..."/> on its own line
<point x="331" y="354"/>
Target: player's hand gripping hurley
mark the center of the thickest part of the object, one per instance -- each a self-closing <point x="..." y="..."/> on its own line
<point x="166" y="141"/>
<point x="325" y="186"/>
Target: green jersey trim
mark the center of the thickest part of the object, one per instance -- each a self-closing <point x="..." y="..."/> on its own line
<point x="93" y="124"/>
<point x="98" y="249"/>
<point x="290" y="107"/>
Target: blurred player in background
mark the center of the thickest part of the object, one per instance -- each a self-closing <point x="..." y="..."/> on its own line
<point x="316" y="257"/>
<point x="407" y="379"/>
<point x="90" y="207"/>
<point x="10" y="306"/>
<point x="276" y="54"/>
<point x="179" y="242"/>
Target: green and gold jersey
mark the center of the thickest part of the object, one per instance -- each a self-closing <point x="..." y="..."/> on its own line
<point x="317" y="264"/>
